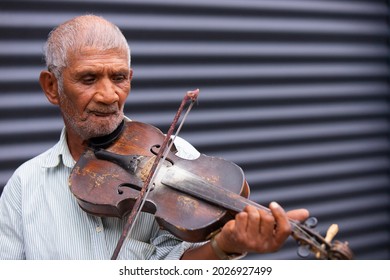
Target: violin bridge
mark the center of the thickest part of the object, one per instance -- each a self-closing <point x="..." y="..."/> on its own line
<point x="146" y="167"/>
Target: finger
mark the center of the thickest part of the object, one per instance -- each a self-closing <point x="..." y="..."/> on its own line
<point x="241" y="221"/>
<point x="267" y="223"/>
<point x="283" y="227"/>
<point x="229" y="227"/>
<point x="253" y="221"/>
<point x="298" y="214"/>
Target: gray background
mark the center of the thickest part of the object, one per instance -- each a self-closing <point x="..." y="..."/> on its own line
<point x="295" y="92"/>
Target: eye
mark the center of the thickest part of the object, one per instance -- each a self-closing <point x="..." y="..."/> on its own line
<point x="88" y="79"/>
<point x="119" y="78"/>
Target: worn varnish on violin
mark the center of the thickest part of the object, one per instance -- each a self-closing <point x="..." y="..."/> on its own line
<point x="109" y="186"/>
<point x="189" y="198"/>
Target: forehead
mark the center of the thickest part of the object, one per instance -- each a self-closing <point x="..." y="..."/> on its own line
<point x="88" y="57"/>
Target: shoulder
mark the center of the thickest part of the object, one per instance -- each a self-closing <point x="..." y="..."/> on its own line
<point x="27" y="169"/>
<point x="35" y="166"/>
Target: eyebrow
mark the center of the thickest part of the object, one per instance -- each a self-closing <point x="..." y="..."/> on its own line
<point x="93" y="71"/>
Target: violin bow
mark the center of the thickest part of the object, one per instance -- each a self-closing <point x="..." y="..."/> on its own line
<point x="162" y="153"/>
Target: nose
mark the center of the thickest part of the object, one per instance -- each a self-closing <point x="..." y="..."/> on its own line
<point x="106" y="92"/>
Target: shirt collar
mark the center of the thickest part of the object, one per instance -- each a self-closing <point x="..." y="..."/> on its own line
<point x="60" y="153"/>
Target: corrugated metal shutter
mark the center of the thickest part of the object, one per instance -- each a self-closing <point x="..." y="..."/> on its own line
<point x="296" y="92"/>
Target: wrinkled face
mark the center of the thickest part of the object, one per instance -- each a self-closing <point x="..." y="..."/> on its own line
<point x="95" y="87"/>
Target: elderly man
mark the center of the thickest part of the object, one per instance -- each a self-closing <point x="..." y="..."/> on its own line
<point x="88" y="77"/>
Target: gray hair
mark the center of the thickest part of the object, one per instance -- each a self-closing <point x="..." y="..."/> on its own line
<point x="82" y="31"/>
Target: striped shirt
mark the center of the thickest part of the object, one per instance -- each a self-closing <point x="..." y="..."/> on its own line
<point x="40" y="218"/>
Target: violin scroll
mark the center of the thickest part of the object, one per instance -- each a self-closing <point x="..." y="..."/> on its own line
<point x="322" y="247"/>
<point x="189" y="198"/>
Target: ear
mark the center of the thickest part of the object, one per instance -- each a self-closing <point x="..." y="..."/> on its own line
<point x="49" y="85"/>
<point x="131" y="74"/>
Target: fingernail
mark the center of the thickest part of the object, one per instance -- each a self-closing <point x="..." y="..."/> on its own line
<point x="274" y="204"/>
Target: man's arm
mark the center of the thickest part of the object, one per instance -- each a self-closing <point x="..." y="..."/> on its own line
<point x="11" y="237"/>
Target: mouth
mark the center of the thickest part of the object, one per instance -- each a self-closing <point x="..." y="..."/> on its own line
<point x="103" y="114"/>
<point x="99" y="114"/>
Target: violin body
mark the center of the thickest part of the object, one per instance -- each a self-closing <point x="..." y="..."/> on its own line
<point x="190" y="198"/>
<point x="105" y="188"/>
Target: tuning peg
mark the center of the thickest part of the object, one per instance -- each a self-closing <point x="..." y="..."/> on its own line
<point x="330" y="234"/>
<point x="303" y="251"/>
<point x="311" y="222"/>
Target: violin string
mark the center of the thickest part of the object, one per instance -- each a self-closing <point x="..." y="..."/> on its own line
<point x="191" y="95"/>
<point x="296" y="226"/>
<point x="160" y="163"/>
<point x="178" y="129"/>
<point x="299" y="229"/>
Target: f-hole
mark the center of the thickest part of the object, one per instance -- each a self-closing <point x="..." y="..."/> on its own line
<point x="155" y="149"/>
<point x="128" y="185"/>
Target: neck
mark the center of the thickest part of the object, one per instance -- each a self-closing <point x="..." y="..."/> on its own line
<point x="76" y="144"/>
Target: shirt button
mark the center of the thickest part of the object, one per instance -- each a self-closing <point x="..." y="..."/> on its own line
<point x="99" y="229"/>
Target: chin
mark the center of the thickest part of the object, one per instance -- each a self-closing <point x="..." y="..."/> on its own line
<point x="101" y="129"/>
<point x="94" y="127"/>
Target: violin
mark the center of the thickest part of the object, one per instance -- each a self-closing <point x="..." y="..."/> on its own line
<point x="192" y="199"/>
